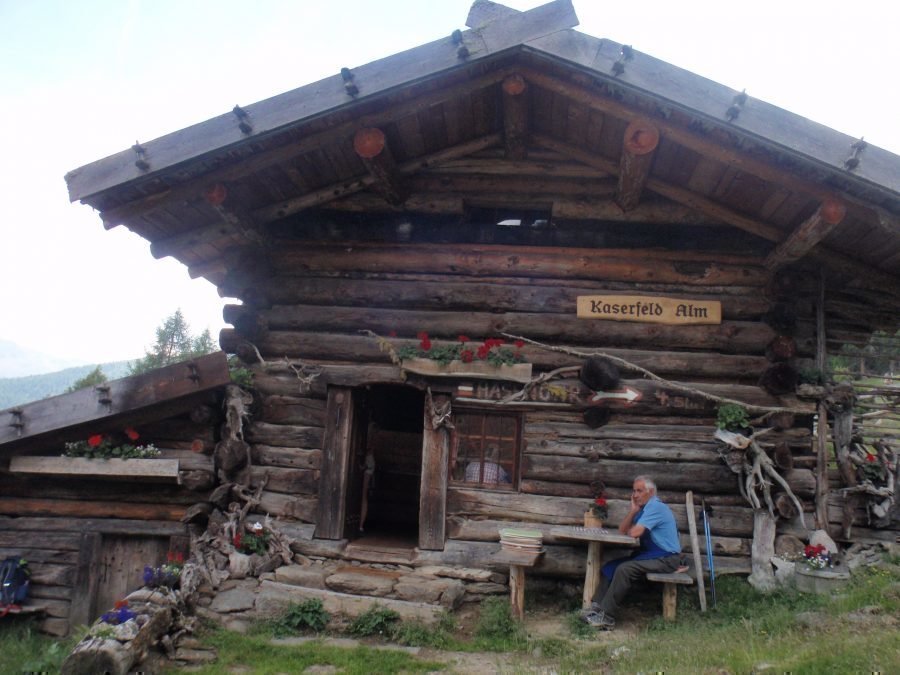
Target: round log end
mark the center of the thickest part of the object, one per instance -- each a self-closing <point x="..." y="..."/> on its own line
<point x="599" y="374"/>
<point x="514" y="85"/>
<point x="781" y="378"/>
<point x="369" y="142"/>
<point x="832" y="211"/>
<point x="596" y="417"/>
<point x="216" y="194"/>
<point x="781" y="348"/>
<point x="641" y="137"/>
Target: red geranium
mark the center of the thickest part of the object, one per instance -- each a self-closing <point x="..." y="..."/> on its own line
<point x="870" y="457"/>
<point x="237" y="541"/>
<point x="466" y="355"/>
<point x="600" y="501"/>
<point x="483" y="351"/>
<point x="95" y="440"/>
<point x="392" y="333"/>
<point x="464" y="339"/>
<point x="132" y="434"/>
<point x="519" y="344"/>
<point x="120" y="604"/>
<point x="425" y="343"/>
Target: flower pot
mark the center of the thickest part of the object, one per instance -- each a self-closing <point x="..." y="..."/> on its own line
<point x="516" y="372"/>
<point x="590" y="520"/>
<point x="820" y="581"/>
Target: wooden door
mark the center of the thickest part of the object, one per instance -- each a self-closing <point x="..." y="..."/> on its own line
<point x="340" y="416"/>
<point x="120" y="566"/>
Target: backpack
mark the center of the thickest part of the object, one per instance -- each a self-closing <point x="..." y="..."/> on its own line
<point x="14" y="581"/>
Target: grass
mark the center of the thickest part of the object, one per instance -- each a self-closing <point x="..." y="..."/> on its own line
<point x="853" y="631"/>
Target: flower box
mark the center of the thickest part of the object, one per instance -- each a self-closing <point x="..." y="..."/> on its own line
<point x="163" y="470"/>
<point x="516" y="372"/>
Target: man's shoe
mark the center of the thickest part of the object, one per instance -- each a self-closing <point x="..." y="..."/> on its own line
<point x="593" y="608"/>
<point x="601" y="621"/>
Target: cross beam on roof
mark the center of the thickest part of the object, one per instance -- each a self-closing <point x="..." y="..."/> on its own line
<point x="515" y="116"/>
<point x="371" y="146"/>
<point x="809" y="233"/>
<point x="638" y="148"/>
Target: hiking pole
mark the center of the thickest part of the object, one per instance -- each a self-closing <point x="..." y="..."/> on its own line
<point x="709" y="553"/>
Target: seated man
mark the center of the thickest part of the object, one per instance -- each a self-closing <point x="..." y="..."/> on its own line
<point x="660" y="551"/>
<point x="492" y="471"/>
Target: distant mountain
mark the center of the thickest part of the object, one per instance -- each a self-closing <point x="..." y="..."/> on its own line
<point x="19" y="361"/>
<point x="17" y="390"/>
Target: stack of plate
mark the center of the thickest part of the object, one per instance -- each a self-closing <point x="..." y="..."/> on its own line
<point x="521" y="540"/>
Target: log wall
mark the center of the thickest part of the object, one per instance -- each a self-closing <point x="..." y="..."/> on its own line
<point x="309" y="301"/>
<point x="87" y="540"/>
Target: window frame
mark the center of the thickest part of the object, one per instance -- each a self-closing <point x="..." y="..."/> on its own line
<point x="511" y="462"/>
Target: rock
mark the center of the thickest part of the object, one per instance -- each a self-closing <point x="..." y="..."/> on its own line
<point x="156" y="596"/>
<point x="234" y="600"/>
<point x="452" y="597"/>
<point x="241" y="626"/>
<point x="821" y="537"/>
<point x="298" y="575"/>
<point x="124" y="632"/>
<point x="486" y="588"/>
<point x="239" y="565"/>
<point x="362" y="581"/>
<point x="448" y="592"/>
<point x="464" y="573"/>
<point x="784" y="571"/>
<point x="788" y="545"/>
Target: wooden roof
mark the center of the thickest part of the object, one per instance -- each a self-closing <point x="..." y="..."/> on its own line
<point x="506" y="114"/>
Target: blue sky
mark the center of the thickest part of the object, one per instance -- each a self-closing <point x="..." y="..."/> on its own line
<point x="84" y="79"/>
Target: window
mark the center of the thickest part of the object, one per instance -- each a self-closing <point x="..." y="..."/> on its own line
<point x="486" y="450"/>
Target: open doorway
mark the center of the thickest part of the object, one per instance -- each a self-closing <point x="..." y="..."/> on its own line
<point x="383" y="501"/>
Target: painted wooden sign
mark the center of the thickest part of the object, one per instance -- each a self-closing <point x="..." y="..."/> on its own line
<point x="649" y="309"/>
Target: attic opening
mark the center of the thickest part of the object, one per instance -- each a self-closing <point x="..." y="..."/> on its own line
<point x="384" y="498"/>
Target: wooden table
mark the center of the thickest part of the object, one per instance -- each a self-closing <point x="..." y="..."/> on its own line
<point x="596" y="537"/>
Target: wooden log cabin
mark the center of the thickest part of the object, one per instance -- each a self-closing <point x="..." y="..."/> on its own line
<point x="87" y="527"/>
<point x="484" y="185"/>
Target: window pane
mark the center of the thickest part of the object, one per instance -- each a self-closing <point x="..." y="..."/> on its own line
<point x="487" y="449"/>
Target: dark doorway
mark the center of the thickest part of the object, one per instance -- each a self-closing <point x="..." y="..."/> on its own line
<point x="391" y="454"/>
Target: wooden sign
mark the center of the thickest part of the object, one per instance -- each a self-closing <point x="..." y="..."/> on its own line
<point x="649" y="309"/>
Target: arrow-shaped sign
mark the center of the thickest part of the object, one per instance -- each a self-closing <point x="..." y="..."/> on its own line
<point x="627" y="394"/>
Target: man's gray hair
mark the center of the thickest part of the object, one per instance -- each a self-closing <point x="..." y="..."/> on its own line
<point x="648" y="482"/>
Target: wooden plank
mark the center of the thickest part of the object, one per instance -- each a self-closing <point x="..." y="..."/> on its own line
<point x="67" y="527"/>
<point x="433" y="486"/>
<point x="118" y="469"/>
<point x="72" y="508"/>
<point x="638" y="148"/>
<point x="115" y="404"/>
<point x="336" y="455"/>
<point x="87" y="579"/>
<point x="810" y="232"/>
<point x="695" y="547"/>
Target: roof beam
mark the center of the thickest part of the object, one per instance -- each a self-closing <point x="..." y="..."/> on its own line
<point x="708" y="147"/>
<point x="638" y="148"/>
<point x="371" y="146"/>
<point x="194" y="188"/>
<point x="515" y="116"/>
<point x="837" y="261"/>
<point x="809" y="233"/>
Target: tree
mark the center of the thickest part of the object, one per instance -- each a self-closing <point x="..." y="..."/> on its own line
<point x="174" y="343"/>
<point x="92" y="379"/>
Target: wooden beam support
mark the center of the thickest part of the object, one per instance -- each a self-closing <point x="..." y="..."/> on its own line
<point x="638" y="148"/>
<point x="809" y="233"/>
<point x="515" y="116"/>
<point x="371" y="146"/>
<point x="836" y="261"/>
<point x="194" y="188"/>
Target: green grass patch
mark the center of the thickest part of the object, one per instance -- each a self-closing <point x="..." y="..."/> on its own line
<point x="25" y="650"/>
<point x="259" y="655"/>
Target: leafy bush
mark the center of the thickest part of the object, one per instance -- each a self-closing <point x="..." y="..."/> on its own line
<point x="732" y="417"/>
<point x="308" y="615"/>
<point x="376" y="620"/>
<point x="417" y="634"/>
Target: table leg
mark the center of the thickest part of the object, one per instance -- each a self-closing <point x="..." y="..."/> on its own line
<point x="517" y="591"/>
<point x="592" y="572"/>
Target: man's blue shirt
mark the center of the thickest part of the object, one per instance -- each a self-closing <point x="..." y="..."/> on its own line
<point x="660" y="523"/>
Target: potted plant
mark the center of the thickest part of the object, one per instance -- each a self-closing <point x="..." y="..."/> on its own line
<point x="597" y="512"/>
<point x="818" y="571"/>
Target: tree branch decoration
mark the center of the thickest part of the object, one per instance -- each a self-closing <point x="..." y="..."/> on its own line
<point x="755" y="469"/>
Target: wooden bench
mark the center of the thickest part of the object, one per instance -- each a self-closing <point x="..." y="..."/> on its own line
<point x="517" y="561"/>
<point x="670" y="583"/>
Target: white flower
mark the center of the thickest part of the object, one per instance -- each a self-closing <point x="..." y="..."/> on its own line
<point x="256" y="527"/>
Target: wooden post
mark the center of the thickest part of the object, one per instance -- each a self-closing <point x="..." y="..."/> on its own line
<point x="669" y="601"/>
<point x="638" y="146"/>
<point x="592" y="572"/>
<point x="695" y="549"/>
<point x="335" y="463"/>
<point x="517" y="591"/>
<point x="87" y="580"/>
<point x="809" y="233"/>
<point x="515" y="116"/>
<point x="371" y="146"/>
<point x="822" y="468"/>
<point x="435" y="465"/>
